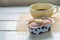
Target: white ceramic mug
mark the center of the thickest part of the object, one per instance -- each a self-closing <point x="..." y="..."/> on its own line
<point x="48" y="10"/>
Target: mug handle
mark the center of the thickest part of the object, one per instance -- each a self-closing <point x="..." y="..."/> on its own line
<point x="55" y="9"/>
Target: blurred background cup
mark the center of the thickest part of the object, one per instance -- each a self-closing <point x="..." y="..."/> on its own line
<point x="43" y="9"/>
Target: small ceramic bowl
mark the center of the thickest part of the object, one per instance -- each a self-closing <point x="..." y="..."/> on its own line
<point x="40" y="29"/>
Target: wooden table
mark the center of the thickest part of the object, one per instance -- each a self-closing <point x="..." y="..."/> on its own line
<point x="21" y="26"/>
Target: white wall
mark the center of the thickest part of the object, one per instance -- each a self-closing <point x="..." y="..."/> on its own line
<point x="26" y="2"/>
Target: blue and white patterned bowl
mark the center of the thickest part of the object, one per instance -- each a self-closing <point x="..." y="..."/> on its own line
<point x="41" y="29"/>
